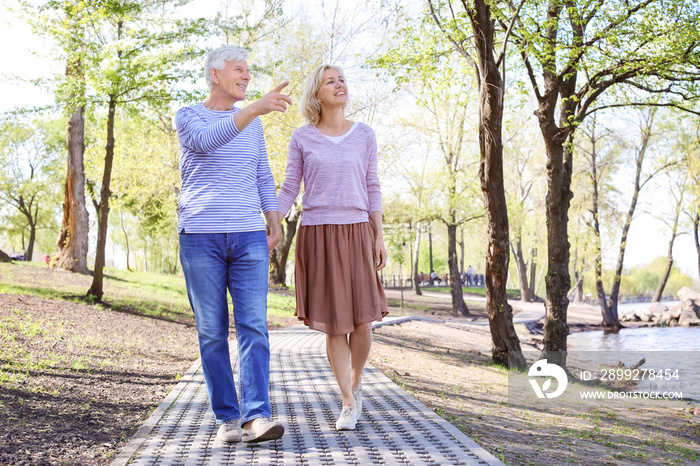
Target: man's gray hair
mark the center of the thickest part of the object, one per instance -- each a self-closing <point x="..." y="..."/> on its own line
<point x="217" y="58"/>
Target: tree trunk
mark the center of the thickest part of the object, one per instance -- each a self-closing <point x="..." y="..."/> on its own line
<point x="416" y="258"/>
<point x="26" y="209"/>
<point x="557" y="280"/>
<point x="459" y="307"/>
<point x="533" y="271"/>
<point x="4" y="257"/>
<point x="145" y="256"/>
<point x="505" y="340"/>
<point x="279" y="255"/>
<point x="669" y="256"/>
<point x="558" y="140"/>
<point x="525" y="294"/>
<point x="126" y="239"/>
<point x="617" y="278"/>
<point x="696" y="224"/>
<point x="430" y="246"/>
<point x="461" y="251"/>
<point x="29" y="254"/>
<point x="579" y="288"/>
<point x="96" y="289"/>
<point x="610" y="318"/>
<point x="72" y="242"/>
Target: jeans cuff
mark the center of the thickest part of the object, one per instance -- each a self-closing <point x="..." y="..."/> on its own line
<point x="254" y="417"/>
<point x="218" y="423"/>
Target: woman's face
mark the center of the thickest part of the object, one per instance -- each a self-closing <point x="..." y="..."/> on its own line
<point x="333" y="91"/>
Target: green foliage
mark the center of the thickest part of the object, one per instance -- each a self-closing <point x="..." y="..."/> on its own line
<point x="145" y="186"/>
<point x="31" y="154"/>
<point x="643" y="280"/>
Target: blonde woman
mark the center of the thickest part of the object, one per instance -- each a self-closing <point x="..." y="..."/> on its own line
<point x="340" y="246"/>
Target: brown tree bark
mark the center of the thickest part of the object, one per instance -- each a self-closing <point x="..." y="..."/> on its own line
<point x="696" y="235"/>
<point x="491" y="88"/>
<point x="638" y="185"/>
<point x="559" y="148"/>
<point x="72" y="242"/>
<point x="416" y="258"/>
<point x="279" y="255"/>
<point x="533" y="270"/>
<point x="505" y="340"/>
<point x="96" y="289"/>
<point x="30" y="209"/>
<point x="459" y="307"/>
<point x="126" y="240"/>
<point x="610" y="319"/>
<point x="525" y="293"/>
<point x="669" y="255"/>
<point x="4" y="257"/>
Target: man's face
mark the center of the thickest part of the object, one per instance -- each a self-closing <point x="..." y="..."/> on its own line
<point x="233" y="79"/>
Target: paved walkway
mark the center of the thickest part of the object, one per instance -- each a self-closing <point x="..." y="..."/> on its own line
<point x="395" y="427"/>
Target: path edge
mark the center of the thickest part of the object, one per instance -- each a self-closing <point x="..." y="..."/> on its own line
<point x="125" y="454"/>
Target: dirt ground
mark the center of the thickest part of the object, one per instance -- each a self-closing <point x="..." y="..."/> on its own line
<point x="76" y="381"/>
<point x="82" y="380"/>
<point x="447" y="365"/>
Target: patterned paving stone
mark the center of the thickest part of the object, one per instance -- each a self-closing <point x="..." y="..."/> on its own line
<point x="395" y="428"/>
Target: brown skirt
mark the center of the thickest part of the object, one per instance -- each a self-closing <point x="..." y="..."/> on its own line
<point x="336" y="280"/>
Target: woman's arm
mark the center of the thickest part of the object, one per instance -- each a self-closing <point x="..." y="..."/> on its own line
<point x="380" y="254"/>
<point x="292" y="178"/>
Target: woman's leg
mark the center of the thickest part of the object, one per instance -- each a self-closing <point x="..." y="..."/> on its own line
<point x="360" y="344"/>
<point x="338" y="351"/>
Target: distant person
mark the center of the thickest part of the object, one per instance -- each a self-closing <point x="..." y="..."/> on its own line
<point x="340" y="245"/>
<point x="433" y="277"/>
<point x="226" y="183"/>
<point x="47" y="260"/>
<point x="470" y="276"/>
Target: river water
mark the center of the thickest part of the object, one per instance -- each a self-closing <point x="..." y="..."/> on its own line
<point x="661" y="347"/>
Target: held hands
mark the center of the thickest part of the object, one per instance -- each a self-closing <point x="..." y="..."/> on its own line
<point x="273" y="239"/>
<point x="273" y="220"/>
<point x="273" y="101"/>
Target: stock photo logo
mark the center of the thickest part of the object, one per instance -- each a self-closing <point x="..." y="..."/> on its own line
<point x="542" y="369"/>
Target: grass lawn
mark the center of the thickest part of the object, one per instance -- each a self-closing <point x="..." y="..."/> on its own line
<point x="513" y="293"/>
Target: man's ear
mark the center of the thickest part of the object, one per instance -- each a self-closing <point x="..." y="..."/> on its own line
<point x="214" y="75"/>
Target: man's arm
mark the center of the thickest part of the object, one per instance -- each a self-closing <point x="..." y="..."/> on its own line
<point x="273" y="101"/>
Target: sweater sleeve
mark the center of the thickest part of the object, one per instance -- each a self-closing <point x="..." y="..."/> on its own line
<point x="194" y="133"/>
<point x="266" y="182"/>
<point x="374" y="192"/>
<point x="292" y="177"/>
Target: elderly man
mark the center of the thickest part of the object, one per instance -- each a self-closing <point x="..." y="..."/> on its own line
<point x="226" y="184"/>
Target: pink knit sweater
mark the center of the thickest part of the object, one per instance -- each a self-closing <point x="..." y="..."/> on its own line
<point x="340" y="180"/>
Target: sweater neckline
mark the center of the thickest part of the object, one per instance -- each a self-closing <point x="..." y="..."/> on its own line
<point x="335" y="140"/>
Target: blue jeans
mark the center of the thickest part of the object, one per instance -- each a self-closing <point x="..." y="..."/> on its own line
<point x="238" y="262"/>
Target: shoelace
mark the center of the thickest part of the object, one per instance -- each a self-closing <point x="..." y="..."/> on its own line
<point x="347" y="412"/>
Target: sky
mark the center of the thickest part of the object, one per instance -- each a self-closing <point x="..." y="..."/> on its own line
<point x="25" y="58"/>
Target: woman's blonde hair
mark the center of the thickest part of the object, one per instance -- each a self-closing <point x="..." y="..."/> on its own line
<point x="310" y="106"/>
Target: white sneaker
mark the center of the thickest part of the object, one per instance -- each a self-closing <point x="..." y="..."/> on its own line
<point x="348" y="418"/>
<point x="262" y="429"/>
<point x="357" y="394"/>
<point x="229" y="432"/>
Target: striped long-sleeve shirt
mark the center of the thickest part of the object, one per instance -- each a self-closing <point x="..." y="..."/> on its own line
<point x="226" y="177"/>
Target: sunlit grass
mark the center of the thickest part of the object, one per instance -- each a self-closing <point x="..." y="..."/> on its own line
<point x="513" y="293"/>
<point x="151" y="294"/>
